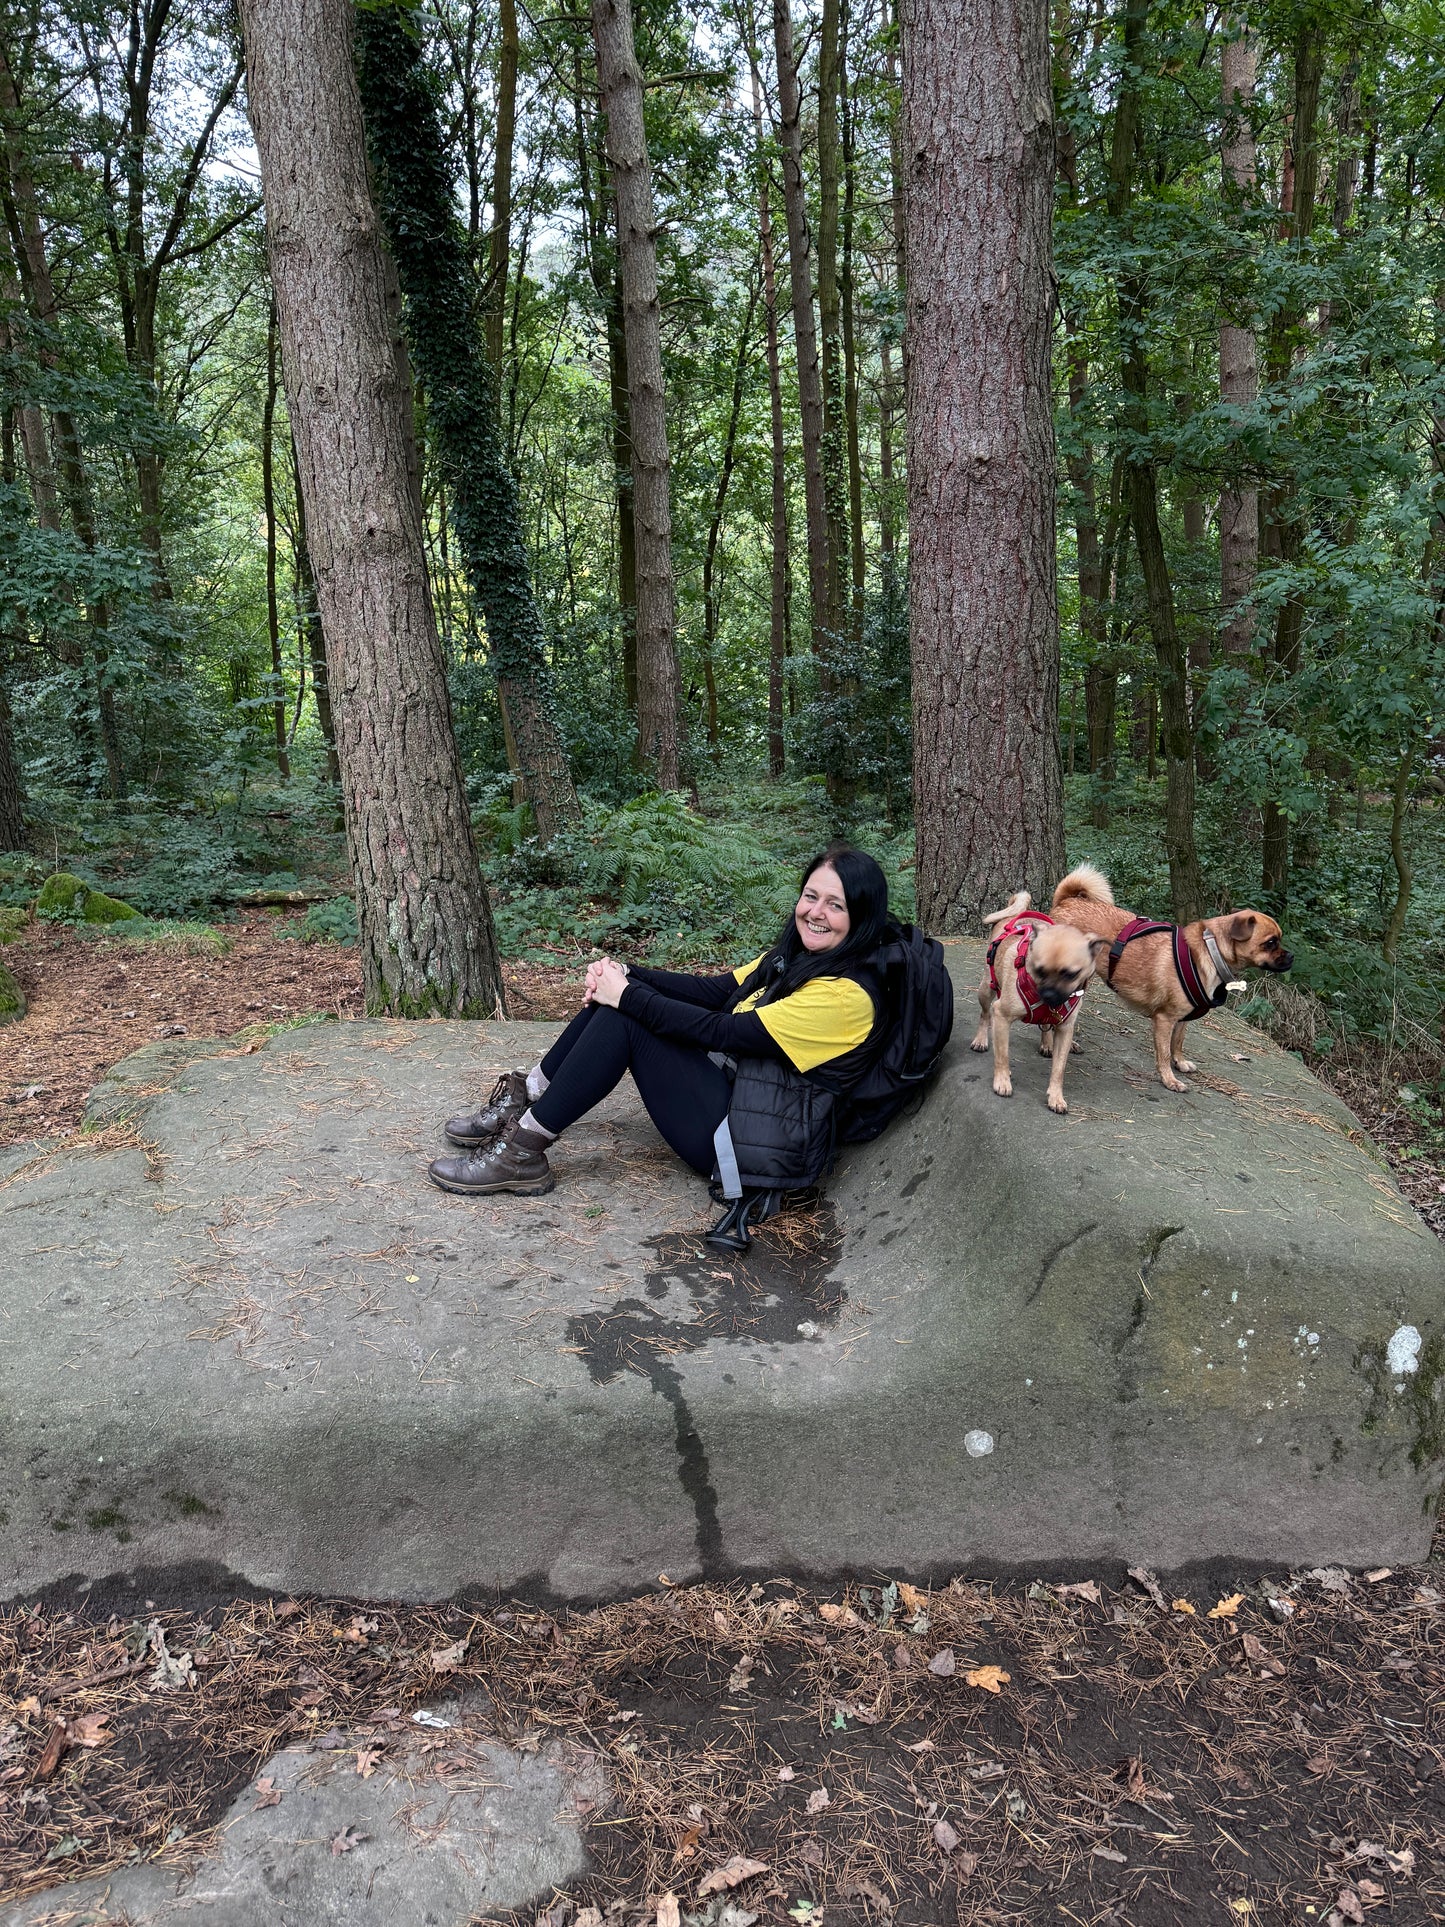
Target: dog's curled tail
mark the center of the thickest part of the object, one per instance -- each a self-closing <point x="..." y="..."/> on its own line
<point x="1085" y="882"/>
<point x="1020" y="901"/>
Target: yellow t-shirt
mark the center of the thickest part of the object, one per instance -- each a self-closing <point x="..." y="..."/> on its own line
<point x="827" y="1016"/>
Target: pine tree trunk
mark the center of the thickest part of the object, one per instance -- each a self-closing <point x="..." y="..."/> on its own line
<point x="778" y="601"/>
<point x="715" y="521"/>
<point x="415" y="193"/>
<point x="988" y="786"/>
<point x="1238" y="358"/>
<point x="619" y="82"/>
<point x="1285" y="532"/>
<point x="805" y="335"/>
<point x="314" y="636"/>
<point x="268" y="505"/>
<point x="427" y="941"/>
<point x="830" y="325"/>
<point x="1142" y="486"/>
<point x="622" y="484"/>
<point x="499" y="248"/>
<point x="847" y="296"/>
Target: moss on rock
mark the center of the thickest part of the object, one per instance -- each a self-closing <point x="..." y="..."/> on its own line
<point x="12" y="922"/>
<point x="12" y="998"/>
<point x="66" y="898"/>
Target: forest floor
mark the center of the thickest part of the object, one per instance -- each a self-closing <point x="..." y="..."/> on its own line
<point x="891" y="1758"/>
<point x="93" y="1001"/>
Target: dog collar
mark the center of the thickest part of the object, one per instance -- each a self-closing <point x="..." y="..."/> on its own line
<point x="1217" y="959"/>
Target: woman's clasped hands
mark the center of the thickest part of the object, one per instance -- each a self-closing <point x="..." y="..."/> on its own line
<point x="606" y="981"/>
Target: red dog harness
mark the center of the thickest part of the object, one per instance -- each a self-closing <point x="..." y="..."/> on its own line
<point x="1200" y="1000"/>
<point x="1036" y="1011"/>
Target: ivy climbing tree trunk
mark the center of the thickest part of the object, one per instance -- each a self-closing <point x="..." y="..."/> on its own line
<point x="983" y="619"/>
<point x="427" y="942"/>
<point x="619" y="81"/>
<point x="499" y="247"/>
<point x="415" y="193"/>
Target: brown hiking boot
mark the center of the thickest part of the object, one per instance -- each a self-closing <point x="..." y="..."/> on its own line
<point x="516" y="1161"/>
<point x="508" y="1100"/>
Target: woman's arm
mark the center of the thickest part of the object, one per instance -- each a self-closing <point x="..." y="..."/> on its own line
<point x="684" y="1023"/>
<point x="711" y="992"/>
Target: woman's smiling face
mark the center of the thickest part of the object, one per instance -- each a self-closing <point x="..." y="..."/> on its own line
<point x="822" y="912"/>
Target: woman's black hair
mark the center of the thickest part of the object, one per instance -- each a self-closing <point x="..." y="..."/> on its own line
<point x="787" y="965"/>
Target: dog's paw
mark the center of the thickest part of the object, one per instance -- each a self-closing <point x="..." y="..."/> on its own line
<point x="1173" y="1084"/>
<point x="1003" y="1087"/>
<point x="1046" y="1044"/>
<point x="1184" y="1067"/>
<point x="980" y="1042"/>
<point x="1057" y="1105"/>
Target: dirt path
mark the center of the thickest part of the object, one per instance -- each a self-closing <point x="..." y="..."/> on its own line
<point x="91" y="1002"/>
<point x="975" y="1755"/>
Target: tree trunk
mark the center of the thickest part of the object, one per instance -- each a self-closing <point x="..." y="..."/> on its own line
<point x="427" y="941"/>
<point x="619" y="81"/>
<point x="415" y="189"/>
<point x="805" y="336"/>
<point x="778" y="602"/>
<point x="622" y="484"/>
<point x="313" y="635"/>
<point x="499" y="250"/>
<point x="988" y="784"/>
<point x="847" y="292"/>
<point x="12" y="794"/>
<point x="268" y="502"/>
<point x="1399" y="854"/>
<point x="1238" y="359"/>
<point x="1186" y="881"/>
<point x="1286" y="511"/>
<point x="830" y="327"/>
<point x="714" y="527"/>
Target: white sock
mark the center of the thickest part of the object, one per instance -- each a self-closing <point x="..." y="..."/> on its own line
<point x="537" y="1082"/>
<point x="529" y="1123"/>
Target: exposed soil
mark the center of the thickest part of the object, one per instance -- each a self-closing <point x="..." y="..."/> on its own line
<point x="1139" y="1762"/>
<point x="93" y="1001"/>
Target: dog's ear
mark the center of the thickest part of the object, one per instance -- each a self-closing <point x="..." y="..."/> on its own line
<point x="1240" y="928"/>
<point x="1096" y="944"/>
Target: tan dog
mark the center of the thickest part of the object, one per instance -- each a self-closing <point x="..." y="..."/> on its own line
<point x="1043" y="986"/>
<point x="1146" y="974"/>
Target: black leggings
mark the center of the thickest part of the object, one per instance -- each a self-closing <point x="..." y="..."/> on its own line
<point x="686" y="1095"/>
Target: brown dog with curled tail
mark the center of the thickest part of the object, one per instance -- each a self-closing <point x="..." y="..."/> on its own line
<point x="1172" y="973"/>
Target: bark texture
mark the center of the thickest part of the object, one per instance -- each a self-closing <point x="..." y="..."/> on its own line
<point x="1238" y="358"/>
<point x="619" y="81"/>
<point x="979" y="156"/>
<point x="499" y="247"/>
<point x="805" y="331"/>
<point x="778" y="600"/>
<point x="415" y="192"/>
<point x="426" y="927"/>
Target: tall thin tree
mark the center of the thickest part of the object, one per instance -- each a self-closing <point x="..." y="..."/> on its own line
<point x="427" y="941"/>
<point x="619" y="81"/>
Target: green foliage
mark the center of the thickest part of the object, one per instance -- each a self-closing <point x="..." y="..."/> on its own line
<point x="334" y="921"/>
<point x="661" y="882"/>
<point x="172" y="936"/>
<point x="13" y="918"/>
<point x="65" y="898"/>
<point x="12" y="998"/>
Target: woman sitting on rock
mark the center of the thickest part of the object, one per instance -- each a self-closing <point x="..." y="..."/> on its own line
<point x="802" y="1005"/>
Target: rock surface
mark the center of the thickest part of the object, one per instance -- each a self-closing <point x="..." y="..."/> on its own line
<point x="244" y="1337"/>
<point x="449" y="1828"/>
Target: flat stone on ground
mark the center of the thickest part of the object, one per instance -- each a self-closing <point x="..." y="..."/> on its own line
<point x="242" y="1336"/>
<point x="448" y="1828"/>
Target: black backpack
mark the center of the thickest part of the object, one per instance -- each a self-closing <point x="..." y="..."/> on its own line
<point x="915" y="993"/>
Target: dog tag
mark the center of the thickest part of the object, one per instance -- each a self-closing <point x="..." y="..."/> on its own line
<point x="1237" y="983"/>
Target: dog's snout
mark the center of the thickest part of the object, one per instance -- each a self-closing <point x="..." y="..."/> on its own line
<point x="1283" y="960"/>
<point x="1053" y="996"/>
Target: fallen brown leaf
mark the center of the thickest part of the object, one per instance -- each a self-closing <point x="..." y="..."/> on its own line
<point x="446" y="1659"/>
<point x="732" y="1873"/>
<point x="1183" y="1606"/>
<point x="54" y="1747"/>
<point x="366" y="1759"/>
<point x="818" y="1799"/>
<point x="270" y="1794"/>
<point x="943" y="1663"/>
<point x="348" y="1839"/>
<point x="1086" y="1589"/>
<point x="838" y="1615"/>
<point x="944" y="1836"/>
<point x="1142" y="1577"/>
<point x="912" y="1600"/>
<point x="1258" y="1654"/>
<point x="1227" y="1608"/>
<point x="88" y="1729"/>
<point x="990" y="1679"/>
<point x="669" y="1914"/>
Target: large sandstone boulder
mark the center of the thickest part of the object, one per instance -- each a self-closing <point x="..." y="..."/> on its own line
<point x="246" y="1334"/>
